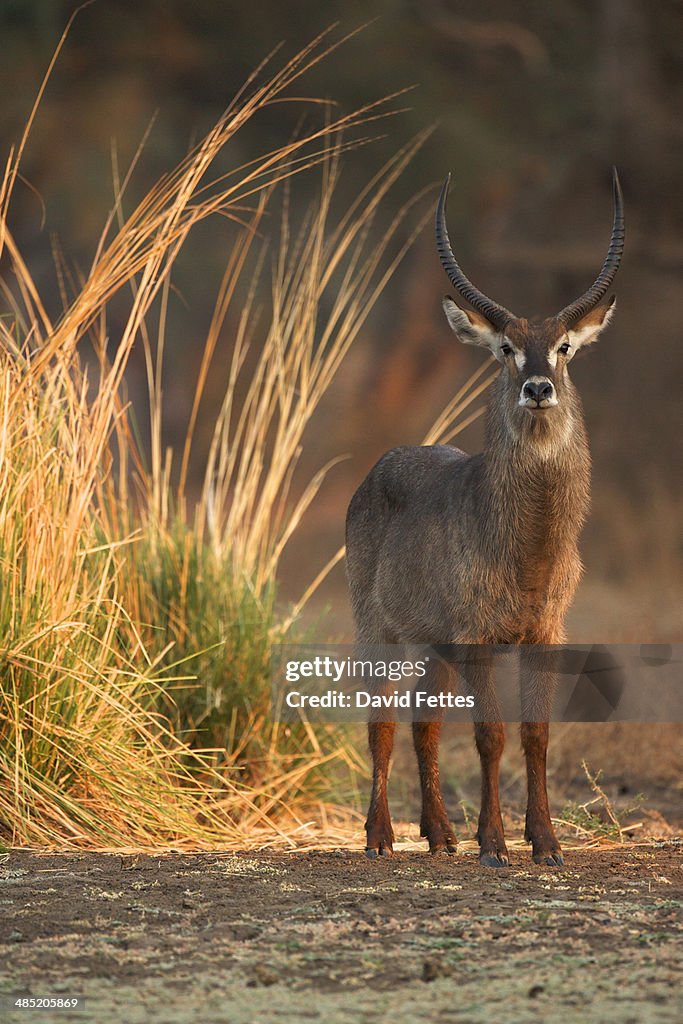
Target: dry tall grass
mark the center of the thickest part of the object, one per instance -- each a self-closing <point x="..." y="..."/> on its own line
<point x="134" y="696"/>
<point x="136" y="624"/>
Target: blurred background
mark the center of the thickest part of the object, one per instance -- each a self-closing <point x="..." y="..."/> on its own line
<point x="530" y="106"/>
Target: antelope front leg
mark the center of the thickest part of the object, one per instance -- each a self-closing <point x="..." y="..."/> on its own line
<point x="434" y="823"/>
<point x="489" y="733"/>
<point x="490" y="739"/>
<point x="538" y="690"/>
<point x="380" y="835"/>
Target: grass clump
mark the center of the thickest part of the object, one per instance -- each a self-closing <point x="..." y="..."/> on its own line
<point x="136" y="619"/>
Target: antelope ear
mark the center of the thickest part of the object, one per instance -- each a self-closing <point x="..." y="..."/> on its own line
<point x="470" y="327"/>
<point x="589" y="328"/>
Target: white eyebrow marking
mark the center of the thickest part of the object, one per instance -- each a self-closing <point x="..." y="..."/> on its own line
<point x="520" y="356"/>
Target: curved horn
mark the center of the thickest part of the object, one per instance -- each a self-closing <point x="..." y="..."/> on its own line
<point x="495" y="314"/>
<point x="570" y="314"/>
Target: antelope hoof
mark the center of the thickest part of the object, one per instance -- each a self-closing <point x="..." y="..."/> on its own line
<point x="436" y="848"/>
<point x="440" y="837"/>
<point x="443" y="842"/>
<point x="380" y="835"/>
<point x="493" y="852"/>
<point x="449" y="849"/>
<point x="494" y="860"/>
<point x="545" y="848"/>
<point x="384" y="850"/>
<point x="380" y="841"/>
<point x="554" y="859"/>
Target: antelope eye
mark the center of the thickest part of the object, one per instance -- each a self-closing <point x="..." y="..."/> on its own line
<point x="564" y="349"/>
<point x="506" y="349"/>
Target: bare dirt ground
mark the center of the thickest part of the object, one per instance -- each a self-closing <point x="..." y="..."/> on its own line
<point x="331" y="936"/>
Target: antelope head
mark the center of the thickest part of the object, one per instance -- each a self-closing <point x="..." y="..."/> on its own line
<point x="534" y="354"/>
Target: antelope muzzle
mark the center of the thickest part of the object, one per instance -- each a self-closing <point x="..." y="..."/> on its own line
<point x="537" y="394"/>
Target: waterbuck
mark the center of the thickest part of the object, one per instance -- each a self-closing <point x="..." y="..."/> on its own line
<point x="448" y="548"/>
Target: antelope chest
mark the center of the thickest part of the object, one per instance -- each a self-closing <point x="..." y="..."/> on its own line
<point x="540" y="600"/>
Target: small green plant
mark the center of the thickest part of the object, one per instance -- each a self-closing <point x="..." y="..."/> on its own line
<point x="597" y="817"/>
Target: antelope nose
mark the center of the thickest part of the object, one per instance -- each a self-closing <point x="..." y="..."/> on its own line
<point x="539" y="390"/>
